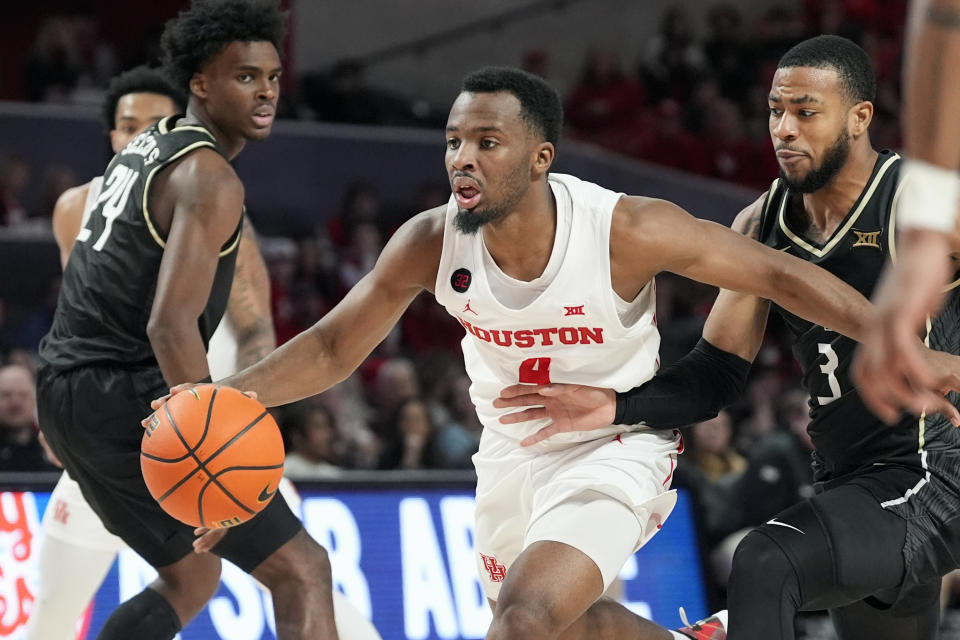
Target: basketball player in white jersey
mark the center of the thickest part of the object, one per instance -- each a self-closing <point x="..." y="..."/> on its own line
<point x="77" y="550"/>
<point x="552" y="278"/>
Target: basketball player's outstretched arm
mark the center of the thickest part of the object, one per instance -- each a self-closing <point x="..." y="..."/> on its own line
<point x="334" y="347"/>
<point x="888" y="368"/>
<point x="701" y="383"/>
<point x="667" y="238"/>
<point x="248" y="307"/>
<point x="206" y="200"/>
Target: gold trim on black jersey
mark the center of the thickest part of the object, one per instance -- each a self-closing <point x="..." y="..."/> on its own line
<point x="842" y="231"/>
<point x="163" y="126"/>
<point x="237" y="235"/>
<point x="146" y="187"/>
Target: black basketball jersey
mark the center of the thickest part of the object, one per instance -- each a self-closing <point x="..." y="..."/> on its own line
<point x="845" y="433"/>
<point x="111" y="277"/>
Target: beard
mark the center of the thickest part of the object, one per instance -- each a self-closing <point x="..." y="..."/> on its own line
<point x="833" y="160"/>
<point x="469" y="221"/>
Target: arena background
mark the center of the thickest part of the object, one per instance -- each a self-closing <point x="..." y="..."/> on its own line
<point x="665" y="99"/>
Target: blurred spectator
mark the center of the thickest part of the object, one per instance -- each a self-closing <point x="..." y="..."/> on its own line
<point x="14" y="175"/>
<point x="459" y="437"/>
<point x="316" y="266"/>
<point x="763" y="387"/>
<point x="353" y="418"/>
<point x="20" y="448"/>
<point x="668" y="143"/>
<point x="342" y="95"/>
<point x="604" y="99"/>
<point x="410" y="443"/>
<point x="778" y="475"/>
<point x="360" y="254"/>
<point x="395" y="381"/>
<point x="726" y="52"/>
<point x="733" y="156"/>
<point x="54" y="64"/>
<point x="311" y="439"/>
<point x="280" y="255"/>
<point x="361" y="205"/>
<point x="673" y="60"/>
<point x="779" y="472"/>
<point x="712" y="450"/>
<point x="775" y="31"/>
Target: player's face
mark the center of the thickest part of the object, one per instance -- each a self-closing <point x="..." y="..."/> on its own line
<point x="809" y="113"/>
<point x="240" y="87"/>
<point x="488" y="158"/>
<point x="135" y="112"/>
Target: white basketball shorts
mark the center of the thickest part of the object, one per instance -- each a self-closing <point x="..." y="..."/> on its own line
<point x="605" y="497"/>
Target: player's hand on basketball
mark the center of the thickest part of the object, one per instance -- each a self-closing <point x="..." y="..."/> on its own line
<point x="570" y="407"/>
<point x="180" y="388"/>
<point x="207" y="539"/>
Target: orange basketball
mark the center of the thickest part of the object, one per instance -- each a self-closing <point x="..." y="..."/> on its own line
<point x="212" y="457"/>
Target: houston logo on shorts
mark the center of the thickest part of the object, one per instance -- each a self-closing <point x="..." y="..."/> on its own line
<point x="496" y="570"/>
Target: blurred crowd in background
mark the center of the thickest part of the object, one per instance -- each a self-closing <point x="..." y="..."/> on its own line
<point x="694" y="101"/>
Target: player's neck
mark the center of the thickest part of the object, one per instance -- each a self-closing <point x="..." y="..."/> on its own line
<point x="522" y="242"/>
<point x="827" y="207"/>
<point x="230" y="145"/>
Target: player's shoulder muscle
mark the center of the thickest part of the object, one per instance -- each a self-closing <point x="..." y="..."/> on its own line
<point x="414" y="251"/>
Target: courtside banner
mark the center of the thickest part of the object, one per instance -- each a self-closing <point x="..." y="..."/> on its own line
<point x="403" y="557"/>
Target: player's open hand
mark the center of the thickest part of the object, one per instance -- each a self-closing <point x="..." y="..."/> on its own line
<point x="207" y="539"/>
<point x="570" y="407"/>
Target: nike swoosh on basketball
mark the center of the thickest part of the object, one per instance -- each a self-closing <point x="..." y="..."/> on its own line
<point x="265" y="494"/>
<point x="776" y="522"/>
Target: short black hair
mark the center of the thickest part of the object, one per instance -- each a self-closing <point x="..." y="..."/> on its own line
<point x="209" y="26"/>
<point x="539" y="102"/>
<point x="851" y="62"/>
<point x="142" y="79"/>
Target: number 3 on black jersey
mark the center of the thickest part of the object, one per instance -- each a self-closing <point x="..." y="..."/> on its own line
<point x="111" y="202"/>
<point x="829" y="369"/>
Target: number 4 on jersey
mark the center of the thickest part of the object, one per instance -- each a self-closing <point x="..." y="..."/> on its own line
<point x="112" y="201"/>
<point x="535" y="371"/>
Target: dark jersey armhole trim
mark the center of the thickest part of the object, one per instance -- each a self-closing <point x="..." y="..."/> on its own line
<point x="146" y="188"/>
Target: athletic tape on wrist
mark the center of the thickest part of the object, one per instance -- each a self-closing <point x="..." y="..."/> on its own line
<point x="929" y="197"/>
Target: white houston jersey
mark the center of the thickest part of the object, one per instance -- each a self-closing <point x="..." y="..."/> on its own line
<point x="571" y="332"/>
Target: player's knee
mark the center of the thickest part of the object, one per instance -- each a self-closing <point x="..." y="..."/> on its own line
<point x="521" y="621"/>
<point x="761" y="566"/>
<point x="298" y="564"/>
<point x="192" y="581"/>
